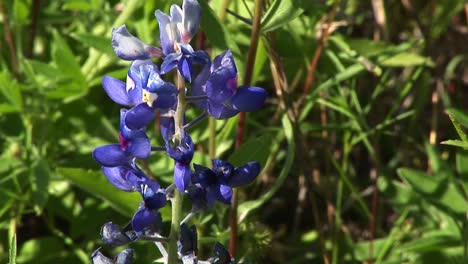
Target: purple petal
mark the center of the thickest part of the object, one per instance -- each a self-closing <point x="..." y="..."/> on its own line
<point x="182" y="153"/>
<point x="201" y="57"/>
<point x="248" y="99"/>
<point x="245" y="174"/>
<point x="116" y="90"/>
<point x="125" y="257"/>
<point x="203" y="176"/>
<point x="139" y="146"/>
<point x="167" y="128"/>
<point x="222" y="169"/>
<point x="170" y="62"/>
<point x="113" y="234"/>
<point x="198" y="86"/>
<point x="153" y="196"/>
<point x="185" y="68"/>
<point x="222" y="83"/>
<point x="221" y="253"/>
<point x="118" y="177"/>
<point x="128" y="47"/>
<point x="182" y="175"/>
<point x="144" y="219"/>
<point x="223" y="58"/>
<point x="110" y="155"/>
<point x="219" y="111"/>
<point x="166" y="93"/>
<point x="168" y="32"/>
<point x="98" y="258"/>
<point x="226" y="193"/>
<point x="141" y="72"/>
<point x="198" y="197"/>
<point x="190" y="19"/>
<point x="176" y="14"/>
<point x="139" y="116"/>
<point x="219" y="192"/>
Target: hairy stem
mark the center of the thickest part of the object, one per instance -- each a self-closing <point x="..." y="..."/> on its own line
<point x="177" y="199"/>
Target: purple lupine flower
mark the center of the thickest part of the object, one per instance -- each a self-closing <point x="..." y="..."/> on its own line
<point x="144" y="91"/>
<point x="176" y="31"/>
<point x="179" y="26"/>
<point x="113" y="234"/>
<point x="181" y="153"/>
<point x="219" y="181"/>
<point x="129" y="47"/>
<point x="155" y="93"/>
<point x="187" y="244"/>
<point x="133" y="144"/>
<point x="221" y="255"/>
<point x="219" y="84"/>
<point x="124" y="257"/>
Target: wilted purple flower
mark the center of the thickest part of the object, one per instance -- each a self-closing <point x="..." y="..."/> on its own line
<point x="221" y="256"/>
<point x="219" y="181"/>
<point x="219" y="84"/>
<point x="113" y="234"/>
<point x="124" y="257"/>
<point x="187" y="244"/>
<point x="129" y="47"/>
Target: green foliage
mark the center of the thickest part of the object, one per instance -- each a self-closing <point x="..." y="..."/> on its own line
<point x="381" y="101"/>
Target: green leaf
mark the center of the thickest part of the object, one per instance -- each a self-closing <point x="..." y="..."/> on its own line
<point x="255" y="149"/>
<point x="246" y="207"/>
<point x="65" y="59"/>
<point x="41" y="250"/>
<point x="214" y="30"/>
<point x="11" y="91"/>
<point x="96" y="183"/>
<point x="40" y="175"/>
<point x="431" y="242"/>
<point x="439" y="192"/>
<point x="100" y="43"/>
<point x="406" y="59"/>
<point x="462" y="162"/>
<point x="77" y="5"/>
<point x="280" y="13"/>
<point x="459" y="115"/>
<point x="456" y="143"/>
<point x="12" y="251"/>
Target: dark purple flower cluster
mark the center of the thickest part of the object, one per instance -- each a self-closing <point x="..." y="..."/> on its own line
<point x="145" y="94"/>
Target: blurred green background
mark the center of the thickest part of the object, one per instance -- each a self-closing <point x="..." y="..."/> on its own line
<point x="363" y="136"/>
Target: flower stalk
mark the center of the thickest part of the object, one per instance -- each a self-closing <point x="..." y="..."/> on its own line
<point x="177" y="200"/>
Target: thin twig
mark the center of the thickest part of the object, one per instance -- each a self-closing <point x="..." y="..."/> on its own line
<point x="10" y="41"/>
<point x="313" y="64"/>
<point x="36" y="6"/>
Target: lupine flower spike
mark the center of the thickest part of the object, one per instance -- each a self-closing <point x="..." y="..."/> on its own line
<point x="147" y="92"/>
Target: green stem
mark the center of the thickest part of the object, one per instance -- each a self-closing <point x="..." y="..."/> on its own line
<point x="212" y="137"/>
<point x="177" y="200"/>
